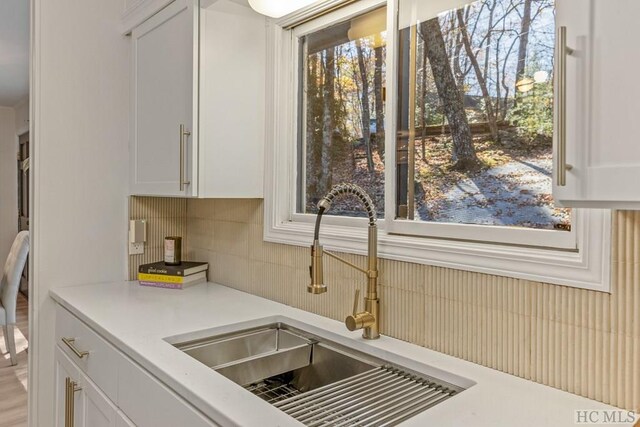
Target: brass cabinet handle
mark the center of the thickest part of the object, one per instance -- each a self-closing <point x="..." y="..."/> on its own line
<point x="70" y="388"/>
<point x="563" y="51"/>
<point x="183" y="134"/>
<point x="70" y="343"/>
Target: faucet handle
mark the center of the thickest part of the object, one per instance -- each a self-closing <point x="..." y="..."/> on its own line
<point x="356" y="302"/>
<point x="359" y="320"/>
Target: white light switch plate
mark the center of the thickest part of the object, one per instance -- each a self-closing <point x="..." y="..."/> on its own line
<point x="137" y="236"/>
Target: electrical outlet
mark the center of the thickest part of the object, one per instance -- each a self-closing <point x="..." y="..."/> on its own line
<point x="136" y="248"/>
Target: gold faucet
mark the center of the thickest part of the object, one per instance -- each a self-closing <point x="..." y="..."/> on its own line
<point x="369" y="319"/>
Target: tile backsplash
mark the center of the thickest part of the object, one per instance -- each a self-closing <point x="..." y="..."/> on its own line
<point x="165" y="217"/>
<point x="581" y="341"/>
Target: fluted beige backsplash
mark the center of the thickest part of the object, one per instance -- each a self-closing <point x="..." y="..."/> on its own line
<point x="165" y="217"/>
<point x="584" y="342"/>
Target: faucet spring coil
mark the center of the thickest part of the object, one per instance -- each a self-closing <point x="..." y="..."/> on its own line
<point x="346" y="189"/>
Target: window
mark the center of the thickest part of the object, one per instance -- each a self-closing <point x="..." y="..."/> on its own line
<point x="342" y="76"/>
<point x="444" y="115"/>
<point x="486" y="68"/>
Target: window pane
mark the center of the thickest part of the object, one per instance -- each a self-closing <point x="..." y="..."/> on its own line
<point x="341" y="118"/>
<point x="475" y="116"/>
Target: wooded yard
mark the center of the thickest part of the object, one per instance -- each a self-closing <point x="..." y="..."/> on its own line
<point x="475" y="115"/>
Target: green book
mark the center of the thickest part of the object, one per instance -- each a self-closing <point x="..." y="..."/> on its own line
<point x="186" y="268"/>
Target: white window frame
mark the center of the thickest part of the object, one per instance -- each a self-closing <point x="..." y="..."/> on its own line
<point x="555" y="239"/>
<point x="586" y="265"/>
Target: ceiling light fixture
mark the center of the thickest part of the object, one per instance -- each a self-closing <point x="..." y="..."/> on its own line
<point x="278" y="8"/>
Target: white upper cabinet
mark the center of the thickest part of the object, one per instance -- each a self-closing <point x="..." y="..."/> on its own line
<point x="601" y="113"/>
<point x="232" y="101"/>
<point x="164" y="125"/>
<point x="136" y="12"/>
<point x="198" y="88"/>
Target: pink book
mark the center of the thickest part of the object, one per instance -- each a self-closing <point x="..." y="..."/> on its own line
<point x="171" y="285"/>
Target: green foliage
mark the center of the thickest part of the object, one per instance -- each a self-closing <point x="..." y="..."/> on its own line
<point x="533" y="113"/>
<point x="434" y="115"/>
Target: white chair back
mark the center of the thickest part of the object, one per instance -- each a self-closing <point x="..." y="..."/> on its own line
<point x="10" y="282"/>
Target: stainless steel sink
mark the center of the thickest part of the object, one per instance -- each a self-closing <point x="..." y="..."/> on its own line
<point x="252" y="355"/>
<point x="316" y="381"/>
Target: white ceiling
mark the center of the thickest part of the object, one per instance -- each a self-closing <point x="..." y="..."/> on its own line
<point x="14" y="51"/>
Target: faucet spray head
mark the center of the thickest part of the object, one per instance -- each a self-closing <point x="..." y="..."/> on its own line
<point x="317" y="285"/>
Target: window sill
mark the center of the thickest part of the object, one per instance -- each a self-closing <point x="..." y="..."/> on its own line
<point x="587" y="268"/>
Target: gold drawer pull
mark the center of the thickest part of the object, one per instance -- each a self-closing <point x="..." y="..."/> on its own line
<point x="71" y="387"/>
<point x="70" y="343"/>
<point x="183" y="134"/>
<point x="562" y="51"/>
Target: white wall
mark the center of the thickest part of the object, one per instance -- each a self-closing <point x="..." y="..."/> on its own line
<point x="22" y="116"/>
<point x="79" y="130"/>
<point x="8" y="182"/>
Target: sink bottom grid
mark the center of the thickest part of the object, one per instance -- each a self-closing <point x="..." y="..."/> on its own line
<point x="382" y="396"/>
<point x="273" y="390"/>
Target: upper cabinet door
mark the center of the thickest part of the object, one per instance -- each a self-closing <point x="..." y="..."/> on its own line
<point x="596" y="108"/>
<point x="232" y="101"/>
<point x="164" y="102"/>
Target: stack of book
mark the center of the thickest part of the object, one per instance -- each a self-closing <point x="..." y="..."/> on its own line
<point x="160" y="275"/>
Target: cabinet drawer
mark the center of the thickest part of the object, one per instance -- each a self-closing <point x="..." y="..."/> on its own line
<point x="149" y="403"/>
<point x="92" y="354"/>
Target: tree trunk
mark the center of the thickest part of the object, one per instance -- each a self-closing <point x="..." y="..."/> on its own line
<point x="366" y="114"/>
<point x="460" y="71"/>
<point x="489" y="37"/>
<point x="506" y="87"/>
<point x="325" y="177"/>
<point x="423" y="99"/>
<point x="524" y="40"/>
<point x="464" y="155"/>
<point x="491" y="116"/>
<point x="314" y="137"/>
<point x="497" y="50"/>
<point x="340" y="108"/>
<point x="379" y="99"/>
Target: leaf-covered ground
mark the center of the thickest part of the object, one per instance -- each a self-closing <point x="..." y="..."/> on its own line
<point x="515" y="193"/>
<point x="512" y="187"/>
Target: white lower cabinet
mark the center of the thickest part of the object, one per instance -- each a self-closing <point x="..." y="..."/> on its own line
<point x="65" y="370"/>
<point x="149" y="403"/>
<point x="79" y="402"/>
<point x="97" y="410"/>
<point x="138" y="398"/>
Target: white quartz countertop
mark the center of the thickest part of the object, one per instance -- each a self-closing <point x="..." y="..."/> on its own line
<point x="138" y="320"/>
